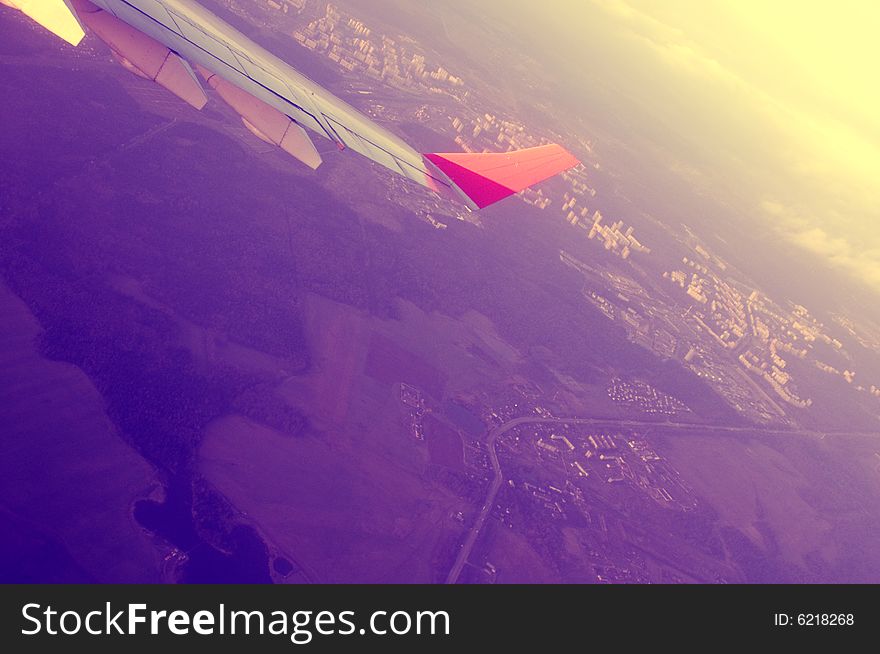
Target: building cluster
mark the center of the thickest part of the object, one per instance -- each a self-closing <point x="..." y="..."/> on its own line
<point x="715" y="367"/>
<point x="536" y="198"/>
<point x="775" y="376"/>
<point x="287" y="6"/>
<point x="692" y="282"/>
<point x="660" y="481"/>
<point x="577" y="464"/>
<point x="574" y="209"/>
<point x="488" y="132"/>
<point x="580" y="185"/>
<point x="782" y="335"/>
<point x="515" y="401"/>
<point x="644" y="330"/>
<point x="645" y="397"/>
<point x="602" y="303"/>
<point x="578" y="188"/>
<point x="719" y="308"/>
<point x="353" y="46"/>
<point x="615" y="237"/>
<point x="412" y="398"/>
<point x="756" y="336"/>
<point x="774" y="334"/>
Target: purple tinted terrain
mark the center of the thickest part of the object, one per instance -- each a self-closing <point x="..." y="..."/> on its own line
<point x="217" y="367"/>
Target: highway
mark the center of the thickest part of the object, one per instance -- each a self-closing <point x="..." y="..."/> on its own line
<point x="497" y="480"/>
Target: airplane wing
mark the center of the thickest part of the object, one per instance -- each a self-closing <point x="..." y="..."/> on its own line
<point x="160" y="39"/>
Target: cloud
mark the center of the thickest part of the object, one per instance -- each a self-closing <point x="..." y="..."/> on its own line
<point x="821" y="168"/>
<point x="811" y="234"/>
<point x="670" y="43"/>
<point x="820" y="144"/>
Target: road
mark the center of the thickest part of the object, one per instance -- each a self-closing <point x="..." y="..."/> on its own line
<point x="497" y="480"/>
<point x="498" y="477"/>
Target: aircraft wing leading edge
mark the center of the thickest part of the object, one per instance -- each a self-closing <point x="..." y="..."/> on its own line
<point x="158" y="39"/>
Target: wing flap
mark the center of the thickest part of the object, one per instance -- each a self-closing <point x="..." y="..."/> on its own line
<point x="177" y="76"/>
<point x="144" y="55"/>
<point x="265" y="121"/>
<point x="486" y="178"/>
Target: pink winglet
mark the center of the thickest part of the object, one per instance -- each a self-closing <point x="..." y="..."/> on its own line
<point x="489" y="177"/>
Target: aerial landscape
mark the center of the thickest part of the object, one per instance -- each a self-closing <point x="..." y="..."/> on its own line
<point x="220" y="365"/>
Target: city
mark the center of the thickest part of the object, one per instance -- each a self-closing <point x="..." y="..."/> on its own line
<point x="338" y="377"/>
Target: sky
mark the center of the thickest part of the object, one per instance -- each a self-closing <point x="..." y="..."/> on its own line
<point x="773" y="106"/>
